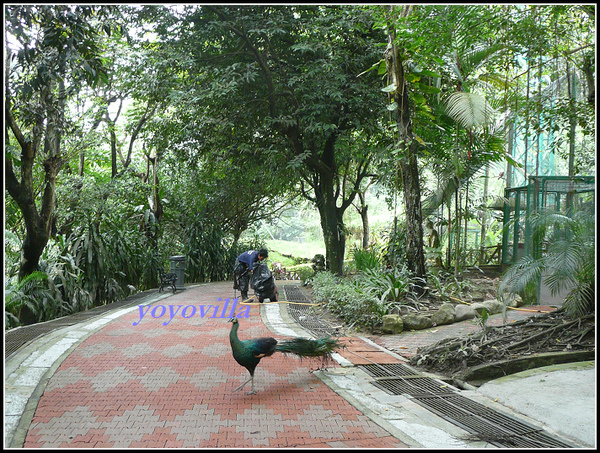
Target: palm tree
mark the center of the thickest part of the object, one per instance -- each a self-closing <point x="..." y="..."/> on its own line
<point x="470" y="110"/>
<point x="568" y="263"/>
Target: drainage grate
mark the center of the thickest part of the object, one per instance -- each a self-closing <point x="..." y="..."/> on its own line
<point x="414" y="386"/>
<point x="484" y="423"/>
<point x="498" y="428"/>
<point x="389" y="369"/>
<point x="305" y="315"/>
<point x="16" y="338"/>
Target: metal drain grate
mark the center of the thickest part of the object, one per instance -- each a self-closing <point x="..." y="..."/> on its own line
<point x="484" y="423"/>
<point x="500" y="429"/>
<point x="16" y="338"/>
<point x="414" y="386"/>
<point x="389" y="369"/>
<point x="305" y="315"/>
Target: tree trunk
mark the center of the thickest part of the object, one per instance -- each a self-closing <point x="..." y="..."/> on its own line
<point x="408" y="165"/>
<point x="113" y="151"/>
<point x="363" y="211"/>
<point x="572" y="121"/>
<point x="364" y="216"/>
<point x="588" y="70"/>
<point x="38" y="222"/>
<point x="414" y="219"/>
<point x="332" y="216"/>
<point x="156" y="206"/>
<point x="484" y="215"/>
<point x="333" y="235"/>
<point x="457" y="238"/>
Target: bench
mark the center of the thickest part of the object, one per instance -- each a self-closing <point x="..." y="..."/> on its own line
<point x="167" y="280"/>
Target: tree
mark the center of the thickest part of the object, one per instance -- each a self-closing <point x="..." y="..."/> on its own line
<point x="265" y="81"/>
<point x="407" y="144"/>
<point x="51" y="51"/>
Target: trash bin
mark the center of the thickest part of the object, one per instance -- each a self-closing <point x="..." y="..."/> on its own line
<point x="178" y="268"/>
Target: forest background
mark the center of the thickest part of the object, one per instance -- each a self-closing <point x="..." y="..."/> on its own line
<point x="135" y="133"/>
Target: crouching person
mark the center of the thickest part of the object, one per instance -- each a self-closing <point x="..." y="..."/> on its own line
<point x="243" y="269"/>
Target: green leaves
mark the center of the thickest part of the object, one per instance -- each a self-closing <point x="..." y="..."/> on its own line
<point x="470" y="110"/>
<point x="568" y="263"/>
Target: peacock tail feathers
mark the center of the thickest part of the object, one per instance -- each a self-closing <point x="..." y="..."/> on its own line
<point x="303" y="347"/>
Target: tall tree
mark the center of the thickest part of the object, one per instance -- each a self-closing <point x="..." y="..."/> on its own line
<point x="51" y="51"/>
<point x="407" y="144"/>
<point x="282" y="80"/>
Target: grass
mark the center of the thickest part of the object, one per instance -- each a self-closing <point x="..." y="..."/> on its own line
<point x="306" y="250"/>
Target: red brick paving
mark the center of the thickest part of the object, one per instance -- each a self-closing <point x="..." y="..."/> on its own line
<point x="359" y="352"/>
<point x="155" y="386"/>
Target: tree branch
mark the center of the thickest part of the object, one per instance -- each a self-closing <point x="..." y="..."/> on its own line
<point x="23" y="142"/>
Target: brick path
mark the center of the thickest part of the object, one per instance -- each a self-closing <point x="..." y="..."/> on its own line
<point x="152" y="385"/>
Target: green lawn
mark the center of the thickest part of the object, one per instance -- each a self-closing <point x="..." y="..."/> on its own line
<point x="298" y="250"/>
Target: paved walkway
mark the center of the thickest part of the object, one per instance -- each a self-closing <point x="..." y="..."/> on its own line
<point x="167" y="381"/>
<point x="163" y="377"/>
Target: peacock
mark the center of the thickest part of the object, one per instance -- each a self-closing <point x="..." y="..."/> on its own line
<point x="248" y="353"/>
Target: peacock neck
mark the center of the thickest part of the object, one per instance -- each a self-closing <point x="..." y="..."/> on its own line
<point x="233" y="336"/>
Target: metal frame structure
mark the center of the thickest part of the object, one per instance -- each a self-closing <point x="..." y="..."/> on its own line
<point x="562" y="194"/>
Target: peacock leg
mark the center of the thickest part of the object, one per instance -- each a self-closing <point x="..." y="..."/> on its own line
<point x="252" y="392"/>
<point x="237" y="388"/>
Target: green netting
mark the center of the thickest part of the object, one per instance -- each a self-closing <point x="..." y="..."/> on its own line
<point x="552" y="193"/>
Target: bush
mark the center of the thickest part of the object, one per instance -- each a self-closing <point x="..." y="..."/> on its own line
<point x="344" y="299"/>
<point x="304" y="271"/>
<point x="365" y="259"/>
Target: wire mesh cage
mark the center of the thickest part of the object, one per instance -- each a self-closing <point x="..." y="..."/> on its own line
<point x="557" y="194"/>
<point x="562" y="194"/>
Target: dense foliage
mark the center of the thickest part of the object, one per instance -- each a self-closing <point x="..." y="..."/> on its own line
<point x="135" y="133"/>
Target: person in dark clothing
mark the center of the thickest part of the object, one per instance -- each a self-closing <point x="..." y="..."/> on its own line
<point x="243" y="269"/>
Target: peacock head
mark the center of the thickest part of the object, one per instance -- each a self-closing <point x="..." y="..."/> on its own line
<point x="233" y="320"/>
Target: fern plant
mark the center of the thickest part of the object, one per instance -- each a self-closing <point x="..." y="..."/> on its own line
<point x="30" y="300"/>
<point x="390" y="287"/>
<point x="568" y="264"/>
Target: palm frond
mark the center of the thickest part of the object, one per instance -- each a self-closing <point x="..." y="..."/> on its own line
<point x="568" y="263"/>
<point x="488" y="150"/>
<point x="521" y="274"/>
<point x="581" y="300"/>
<point x="478" y="56"/>
<point x="470" y="110"/>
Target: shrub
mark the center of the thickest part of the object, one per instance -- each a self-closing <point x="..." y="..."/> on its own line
<point x="344" y="299"/>
<point x="304" y="271"/>
<point x="365" y="259"/>
<point x="31" y="300"/>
